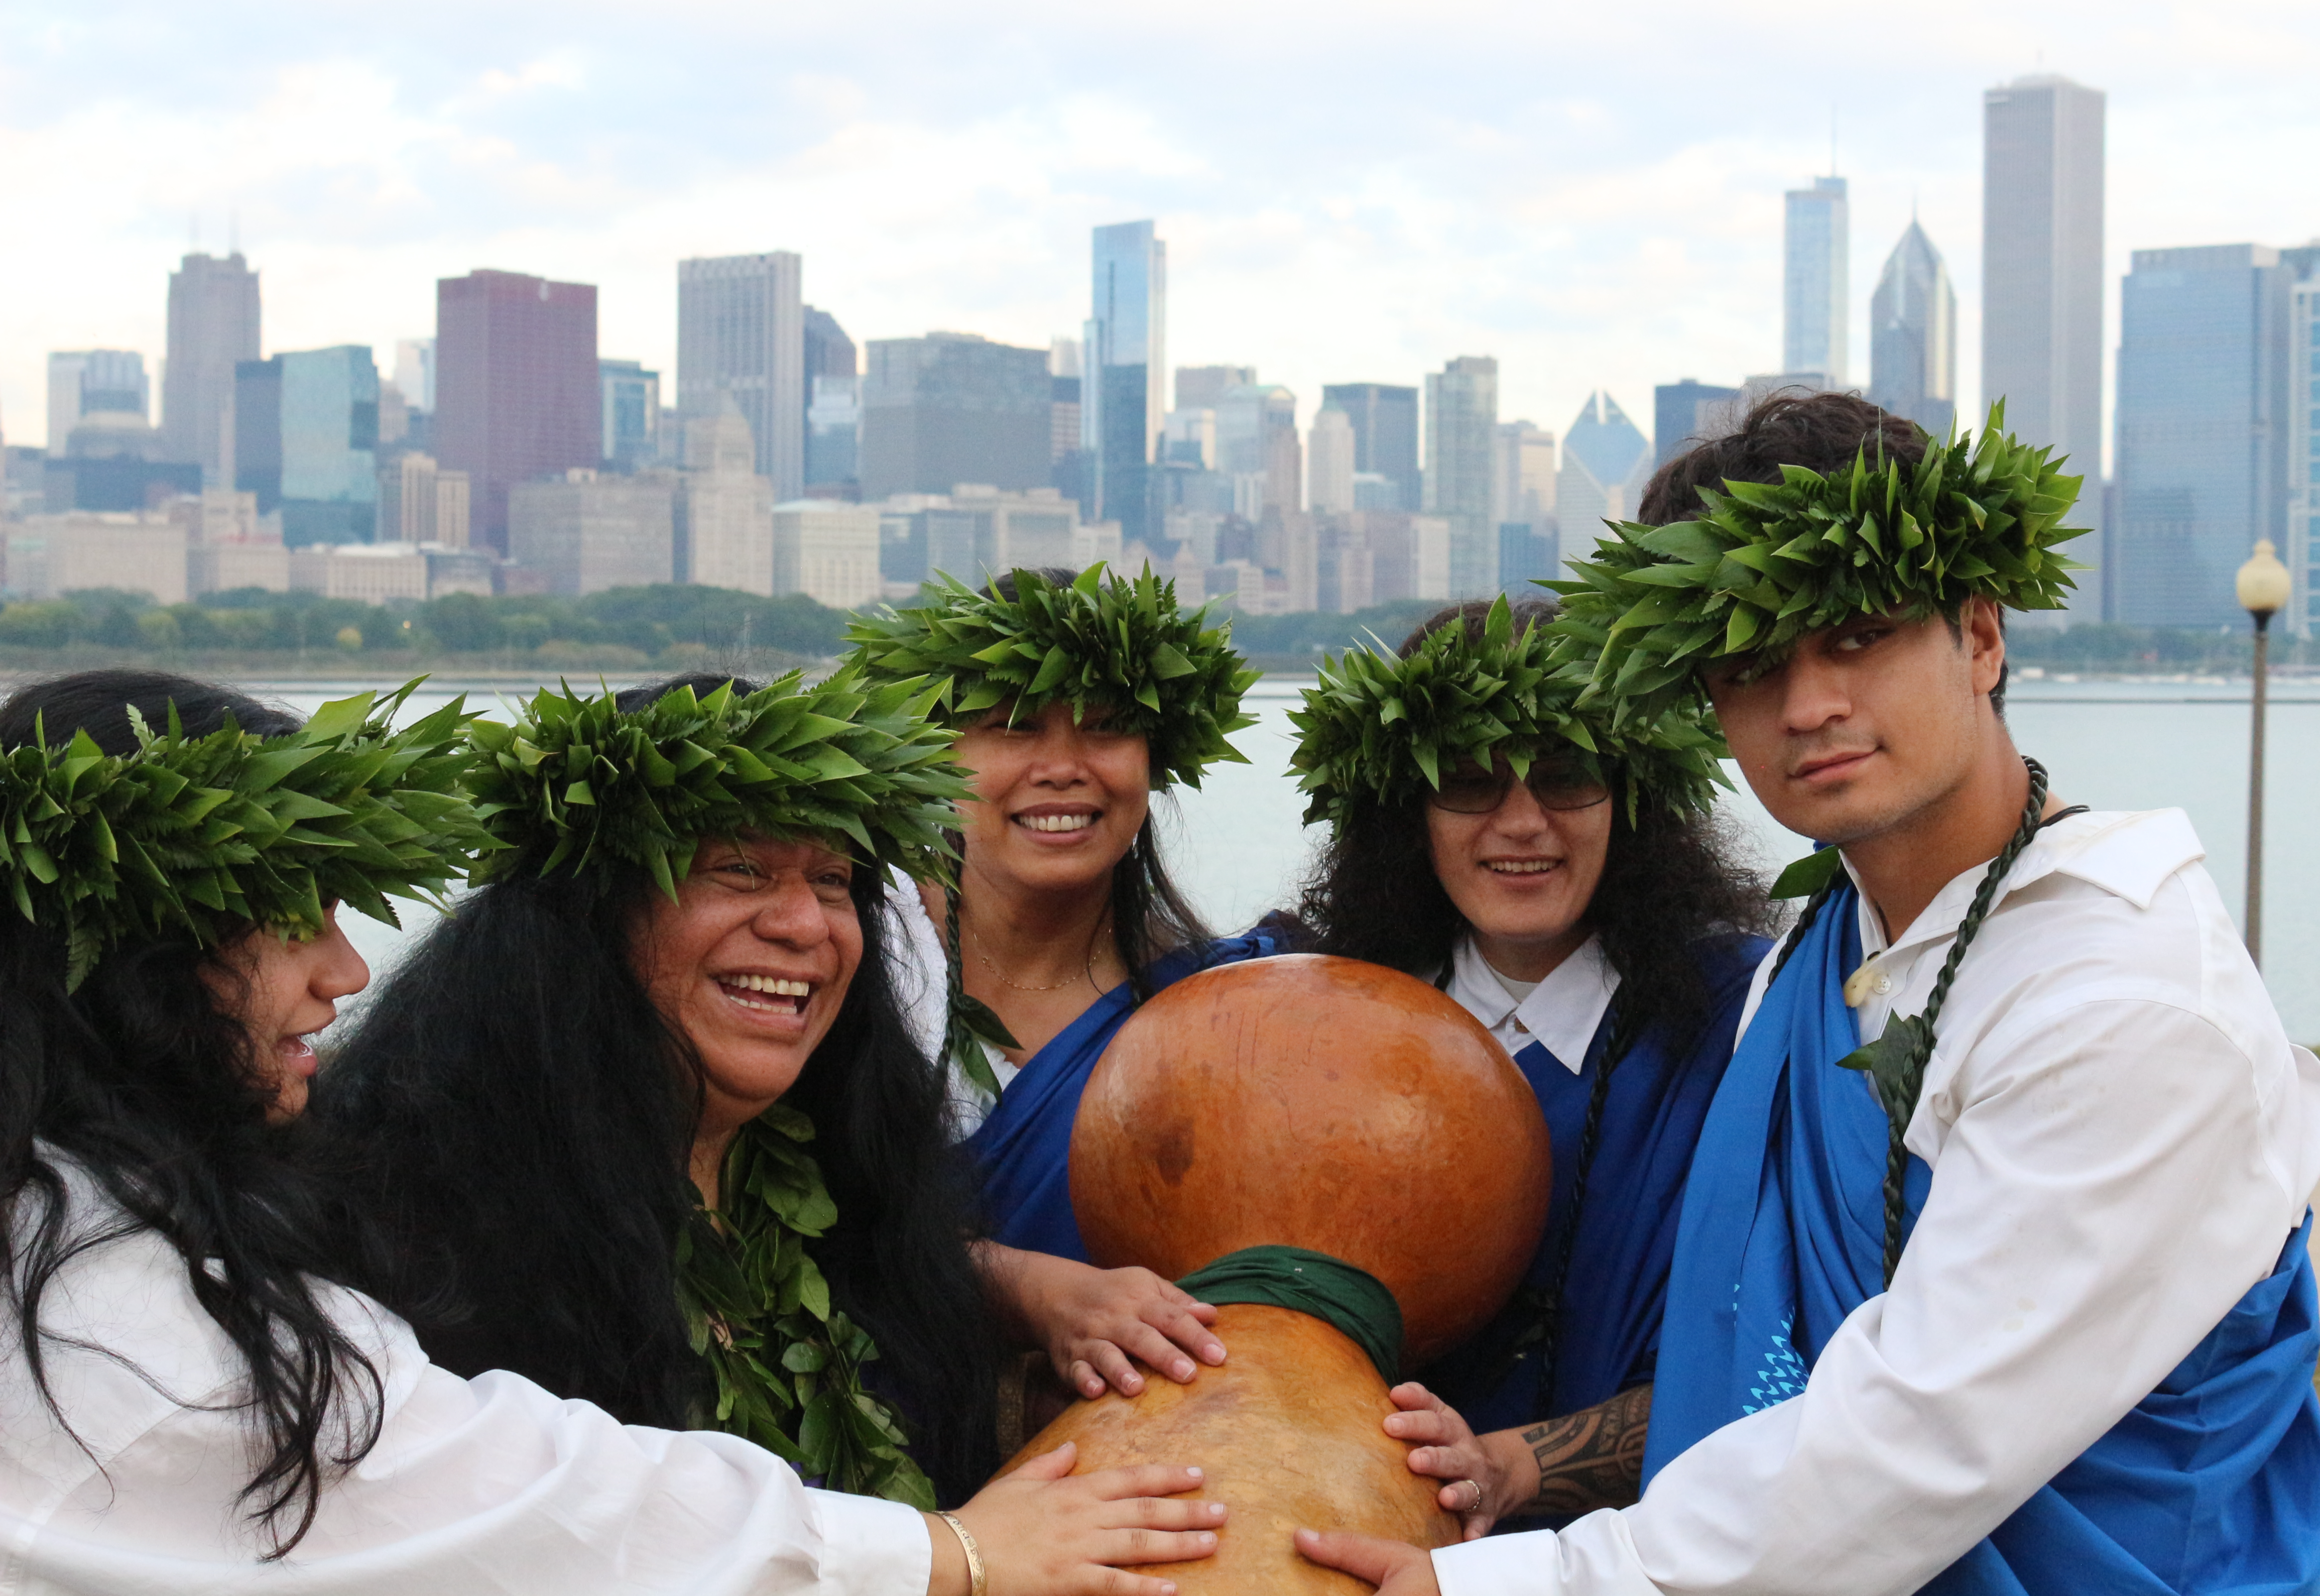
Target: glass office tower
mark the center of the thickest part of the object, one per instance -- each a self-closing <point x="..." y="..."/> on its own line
<point x="1124" y="398"/>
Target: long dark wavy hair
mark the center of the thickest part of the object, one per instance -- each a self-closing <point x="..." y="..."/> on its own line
<point x="1668" y="882"/>
<point x="1150" y="914"/>
<point x="146" y="1083"/>
<point x="528" y="1115"/>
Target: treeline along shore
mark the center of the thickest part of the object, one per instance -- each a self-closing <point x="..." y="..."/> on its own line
<point x="255" y="632"/>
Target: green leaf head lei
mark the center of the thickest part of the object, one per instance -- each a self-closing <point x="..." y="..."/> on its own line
<point x="201" y="837"/>
<point x="1378" y="729"/>
<point x="1119" y="645"/>
<point x="579" y="786"/>
<point x="1766" y="563"/>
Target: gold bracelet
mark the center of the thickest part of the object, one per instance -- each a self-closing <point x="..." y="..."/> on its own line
<point x="977" y="1581"/>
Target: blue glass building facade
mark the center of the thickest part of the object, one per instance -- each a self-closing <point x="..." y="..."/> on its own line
<point x="305" y="436"/>
<point x="1124" y="391"/>
<point x="2202" y="410"/>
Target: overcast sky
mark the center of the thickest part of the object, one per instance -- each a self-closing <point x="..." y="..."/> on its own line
<point x="1349" y="191"/>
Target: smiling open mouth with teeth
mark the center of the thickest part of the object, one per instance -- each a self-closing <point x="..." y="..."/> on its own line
<point x="1056" y="822"/>
<point x="774" y="994"/>
<point x="1519" y="867"/>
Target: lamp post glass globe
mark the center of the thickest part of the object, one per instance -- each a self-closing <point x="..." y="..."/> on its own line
<point x="2264" y="583"/>
<point x="2264" y="591"/>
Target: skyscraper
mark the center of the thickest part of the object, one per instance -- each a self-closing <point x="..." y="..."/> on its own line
<point x="724" y="509"/>
<point x="1330" y="463"/>
<point x="93" y="381"/>
<point x="2203" y="429"/>
<point x="2304" y="452"/>
<point x="1462" y="414"/>
<point x="630" y="406"/>
<point x="1124" y="395"/>
<point x="952" y="408"/>
<point x="306" y="440"/>
<point x="212" y="327"/>
<point x="1256" y="436"/>
<point x="1606" y="462"/>
<point x="518" y="389"/>
<point x="1815" y="283"/>
<point x="2042" y="271"/>
<point x="833" y="407"/>
<point x="1385" y="434"/>
<point x="1913" y="335"/>
<point x="740" y="329"/>
<point x="1200" y="387"/>
<point x="1688" y="413"/>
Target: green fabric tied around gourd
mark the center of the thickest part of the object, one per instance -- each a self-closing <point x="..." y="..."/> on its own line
<point x="1351" y="1301"/>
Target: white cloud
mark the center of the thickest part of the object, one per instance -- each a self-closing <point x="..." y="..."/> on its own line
<point x="1350" y="191"/>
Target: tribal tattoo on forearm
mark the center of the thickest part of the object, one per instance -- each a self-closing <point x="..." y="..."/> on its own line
<point x="1594" y="1459"/>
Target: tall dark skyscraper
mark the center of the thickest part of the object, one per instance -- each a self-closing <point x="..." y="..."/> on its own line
<point x="2204" y="397"/>
<point x="1913" y="335"/>
<point x="833" y="405"/>
<point x="1385" y="433"/>
<point x="214" y="325"/>
<point x="953" y="408"/>
<point x="740" y="329"/>
<point x="1124" y="396"/>
<point x="518" y="392"/>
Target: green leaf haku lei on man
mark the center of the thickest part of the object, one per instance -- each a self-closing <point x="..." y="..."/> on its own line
<point x="1101" y="642"/>
<point x="579" y="786"/>
<point x="202" y="837"/>
<point x="1379" y="729"/>
<point x="1768" y="562"/>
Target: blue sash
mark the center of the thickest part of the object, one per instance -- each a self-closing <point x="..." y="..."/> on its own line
<point x="1617" y="1285"/>
<point x="2210" y="1485"/>
<point x="1023" y="1151"/>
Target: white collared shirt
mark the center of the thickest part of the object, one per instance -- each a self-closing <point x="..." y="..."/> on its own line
<point x="476" y="1488"/>
<point x="1563" y="1011"/>
<point x="2122" y="1140"/>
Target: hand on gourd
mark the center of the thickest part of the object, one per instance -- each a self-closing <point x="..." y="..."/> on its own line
<point x="1394" y="1567"/>
<point x="1044" y="1532"/>
<point x="1444" y="1446"/>
<point x="1094" y="1322"/>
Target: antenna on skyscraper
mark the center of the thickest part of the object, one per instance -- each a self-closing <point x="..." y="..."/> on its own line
<point x="1832" y="138"/>
<point x="233" y="231"/>
<point x="193" y="232"/>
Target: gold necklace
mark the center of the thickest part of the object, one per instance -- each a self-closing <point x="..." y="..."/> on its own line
<point x="1086" y="973"/>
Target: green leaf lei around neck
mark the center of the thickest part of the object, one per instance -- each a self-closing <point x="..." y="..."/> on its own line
<point x="788" y="1364"/>
<point x="577" y="784"/>
<point x="1378" y="729"/>
<point x="1105" y="641"/>
<point x="202" y="836"/>
<point x="1767" y="563"/>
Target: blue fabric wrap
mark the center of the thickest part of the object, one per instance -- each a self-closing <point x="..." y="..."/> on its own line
<point x="2211" y="1484"/>
<point x="1023" y="1151"/>
<point x="1618" y="1286"/>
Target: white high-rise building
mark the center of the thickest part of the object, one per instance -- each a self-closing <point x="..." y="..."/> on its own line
<point x="1815" y="283"/>
<point x="2303" y="452"/>
<point x="415" y="373"/>
<point x="1522" y="475"/>
<point x="827" y="550"/>
<point x="740" y="329"/>
<point x="725" y="509"/>
<point x="1330" y="463"/>
<point x="2042" y="270"/>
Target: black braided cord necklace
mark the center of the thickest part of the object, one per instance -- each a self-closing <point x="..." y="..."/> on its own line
<point x="1895" y="1063"/>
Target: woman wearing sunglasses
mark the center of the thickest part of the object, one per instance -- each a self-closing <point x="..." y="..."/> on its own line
<point x="1571" y="888"/>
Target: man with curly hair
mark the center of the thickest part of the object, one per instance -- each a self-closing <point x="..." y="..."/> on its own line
<point x="2016" y="1297"/>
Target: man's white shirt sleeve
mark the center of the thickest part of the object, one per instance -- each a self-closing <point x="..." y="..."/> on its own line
<point x="2122" y="1142"/>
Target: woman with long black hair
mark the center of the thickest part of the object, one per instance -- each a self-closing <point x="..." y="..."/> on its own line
<point x="188" y="1398"/>
<point x="1568" y="884"/>
<point x="1078" y="696"/>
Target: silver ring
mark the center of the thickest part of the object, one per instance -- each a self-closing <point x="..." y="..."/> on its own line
<point x="1475" y="1506"/>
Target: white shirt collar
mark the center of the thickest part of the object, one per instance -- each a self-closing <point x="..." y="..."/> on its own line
<point x="1563" y="1012"/>
<point x="2128" y="854"/>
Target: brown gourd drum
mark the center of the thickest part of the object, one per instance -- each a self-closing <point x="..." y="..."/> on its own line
<point x="1322" y="1104"/>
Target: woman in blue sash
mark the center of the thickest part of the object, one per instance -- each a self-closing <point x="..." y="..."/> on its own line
<point x="1078" y="696"/>
<point x="1589" y="914"/>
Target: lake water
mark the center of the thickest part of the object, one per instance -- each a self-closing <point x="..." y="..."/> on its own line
<point x="1238" y="846"/>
